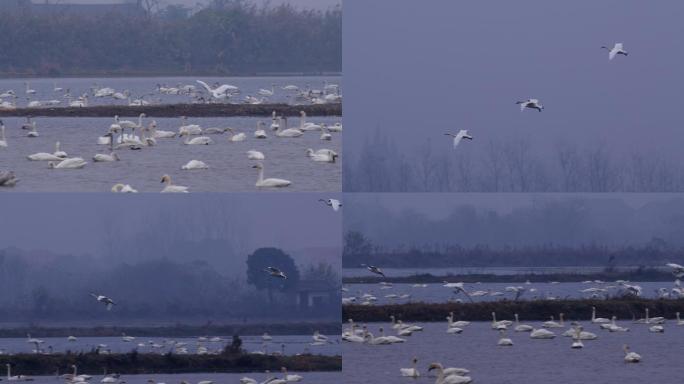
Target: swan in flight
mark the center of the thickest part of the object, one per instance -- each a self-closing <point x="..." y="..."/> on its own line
<point x="531" y="103"/>
<point x="104" y="300"/>
<point x="442" y="378"/>
<point x="322" y="156"/>
<point x="195" y="164"/>
<point x="72" y="163"/>
<point x="221" y="92"/>
<point x="631" y="357"/>
<point x="374" y="269"/>
<point x="677" y="270"/>
<point x="270" y="182"/>
<point x="123" y="188"/>
<point x="462" y="134"/>
<point x="616" y="50"/>
<point x="58" y="151"/>
<point x="410" y="372"/>
<point x="333" y="203"/>
<point x="170" y="188"/>
<point x="236" y="137"/>
<point x="3" y="139"/>
<point x="201" y="140"/>
<point x="275" y="272"/>
<point x="255" y="155"/>
<point x="16" y="378"/>
<point x="100" y="157"/>
<point x="597" y="320"/>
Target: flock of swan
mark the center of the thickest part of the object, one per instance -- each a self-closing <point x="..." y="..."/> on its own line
<point x="197" y="93"/>
<point x="544" y="331"/>
<point x="131" y="136"/>
<point x="535" y="104"/>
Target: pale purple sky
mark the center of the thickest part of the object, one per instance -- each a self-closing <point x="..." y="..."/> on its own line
<point x="418" y="69"/>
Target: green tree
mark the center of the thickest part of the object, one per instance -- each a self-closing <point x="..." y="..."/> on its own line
<point x="271" y="257"/>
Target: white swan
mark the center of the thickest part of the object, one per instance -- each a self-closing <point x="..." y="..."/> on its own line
<point x="170" y="188"/>
<point x="289" y="378"/>
<point x="542" y="333"/>
<point x="260" y="133"/>
<point x="442" y="378"/>
<point x="271" y="182"/>
<point x="221" y="92"/>
<point x="255" y="155"/>
<point x="43" y="156"/>
<point x="195" y="164"/>
<point x="71" y="163"/>
<point x="33" y="132"/>
<point x="324" y="157"/>
<point x="275" y="124"/>
<point x="504" y="341"/>
<point x="499" y="325"/>
<point x="3" y="139"/>
<point x="29" y="90"/>
<point x="129" y="124"/>
<point x="16" y="378"/>
<point x="123" y="188"/>
<point x="236" y="137"/>
<point x="531" y="103"/>
<point x="410" y="372"/>
<point x="597" y="320"/>
<point x="616" y="50"/>
<point x="335" y="205"/>
<point x="577" y="341"/>
<point x="630" y="357"/>
<point x="553" y="324"/>
<point x="100" y="157"/>
<point x="287" y="132"/>
<point x="160" y="134"/>
<point x="201" y="140"/>
<point x="462" y="134"/>
<point x="521" y="327"/>
<point x="304" y="126"/>
<point x="458" y="324"/>
<point x="267" y="92"/>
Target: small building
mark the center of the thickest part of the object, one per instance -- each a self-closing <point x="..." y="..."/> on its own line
<point x="316" y="293"/>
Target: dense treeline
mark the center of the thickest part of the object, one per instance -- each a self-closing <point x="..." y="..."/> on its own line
<point x="138" y="363"/>
<point x="226" y="37"/>
<point x="506" y="166"/>
<point x="574" y="310"/>
<point x="359" y="250"/>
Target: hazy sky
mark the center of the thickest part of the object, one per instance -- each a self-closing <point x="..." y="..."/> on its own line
<point x="75" y="223"/>
<point x="417" y="70"/>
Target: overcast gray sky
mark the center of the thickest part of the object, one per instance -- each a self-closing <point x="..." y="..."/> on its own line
<point x="418" y="69"/>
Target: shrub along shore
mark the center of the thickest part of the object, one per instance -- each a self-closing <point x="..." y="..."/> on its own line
<point x="580" y="310"/>
<point x="148" y="363"/>
<point x="177" y="110"/>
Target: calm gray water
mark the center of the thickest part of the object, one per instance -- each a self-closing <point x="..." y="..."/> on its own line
<point x="139" y="86"/>
<point x="229" y="168"/>
<point x="402" y="272"/>
<point x="222" y="378"/>
<point x="527" y="361"/>
<point x="289" y="344"/>
<point x="436" y="293"/>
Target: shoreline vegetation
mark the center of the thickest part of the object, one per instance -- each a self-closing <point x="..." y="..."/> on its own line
<point x="176" y="110"/>
<point x="640" y="274"/>
<point x="131" y="363"/>
<point x="538" y="310"/>
<point x="179" y="330"/>
<point x="160" y="74"/>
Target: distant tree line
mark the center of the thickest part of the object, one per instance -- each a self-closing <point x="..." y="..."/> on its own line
<point x="358" y="249"/>
<point x="225" y="37"/>
<point x="506" y="166"/>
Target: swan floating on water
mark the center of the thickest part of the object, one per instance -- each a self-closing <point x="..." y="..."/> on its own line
<point x="3" y="139"/>
<point x="195" y="164"/>
<point x="123" y="188"/>
<point x="170" y="188"/>
<point x="443" y="378"/>
<point x="410" y="372"/>
<point x="16" y="378"/>
<point x="322" y="155"/>
<point x="100" y="157"/>
<point x="71" y="163"/>
<point x="201" y="140"/>
<point x="270" y="182"/>
<point x="631" y="357"/>
<point x="255" y="155"/>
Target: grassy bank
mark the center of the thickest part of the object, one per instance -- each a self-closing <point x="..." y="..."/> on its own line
<point x="528" y="310"/>
<point x="176" y="110"/>
<point x="174" y="331"/>
<point x="138" y="363"/>
<point x="635" y="275"/>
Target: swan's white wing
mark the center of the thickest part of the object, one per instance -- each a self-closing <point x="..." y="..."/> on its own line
<point x="523" y="105"/>
<point x="205" y="85"/>
<point x="612" y="53"/>
<point x="335" y="204"/>
<point x="618" y="46"/>
<point x="457" y="139"/>
<point x="222" y="89"/>
<point x="534" y="101"/>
